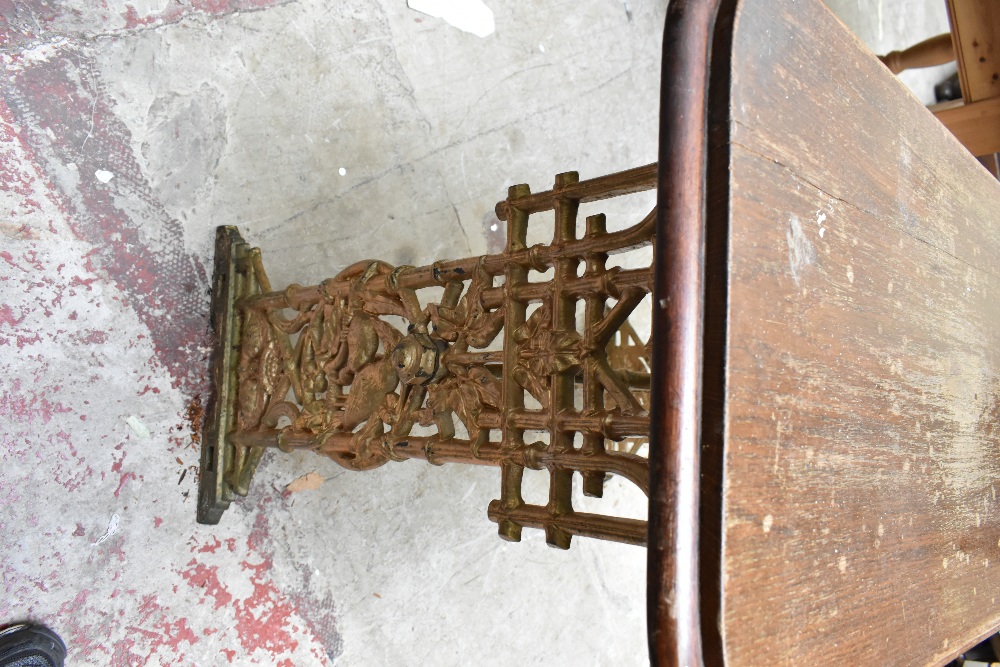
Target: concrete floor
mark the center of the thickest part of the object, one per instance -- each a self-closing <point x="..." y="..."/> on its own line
<point x="888" y="25"/>
<point x="328" y="132"/>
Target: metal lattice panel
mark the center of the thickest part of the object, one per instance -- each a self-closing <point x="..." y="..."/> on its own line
<point x="467" y="361"/>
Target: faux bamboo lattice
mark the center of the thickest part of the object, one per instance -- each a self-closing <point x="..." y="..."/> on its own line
<point x="497" y="370"/>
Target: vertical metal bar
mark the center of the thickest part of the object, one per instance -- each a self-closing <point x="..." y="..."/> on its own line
<point x="515" y="314"/>
<point x="593" y="393"/>
<point x="563" y="385"/>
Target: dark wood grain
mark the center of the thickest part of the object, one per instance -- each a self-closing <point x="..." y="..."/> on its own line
<point x="673" y="615"/>
<point x="860" y="520"/>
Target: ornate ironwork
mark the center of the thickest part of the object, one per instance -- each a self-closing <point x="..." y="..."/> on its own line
<point x="470" y="361"/>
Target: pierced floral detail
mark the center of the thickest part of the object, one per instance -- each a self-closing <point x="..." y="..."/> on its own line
<point x="339" y="370"/>
<point x="543" y="352"/>
<point x="365" y="368"/>
<point x="466" y="396"/>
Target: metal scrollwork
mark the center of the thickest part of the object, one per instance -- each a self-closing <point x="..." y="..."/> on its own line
<point x="357" y="369"/>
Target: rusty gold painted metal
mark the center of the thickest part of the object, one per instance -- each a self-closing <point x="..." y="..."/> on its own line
<point x="473" y="361"/>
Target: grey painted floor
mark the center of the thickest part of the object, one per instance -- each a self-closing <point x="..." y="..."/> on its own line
<point x="328" y="132"/>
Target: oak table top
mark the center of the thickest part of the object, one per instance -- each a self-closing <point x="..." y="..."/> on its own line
<point x="844" y="424"/>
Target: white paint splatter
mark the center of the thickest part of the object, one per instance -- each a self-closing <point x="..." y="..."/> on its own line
<point x="137" y="426"/>
<point x="842" y="564"/>
<point x="34" y="55"/>
<point x="822" y="230"/>
<point x="768" y="522"/>
<point x="342" y="171"/>
<point x="472" y="16"/>
<point x="103" y="176"/>
<point x="801" y="253"/>
<point x="541" y="47"/>
<point x="112" y="529"/>
<point x="820" y="218"/>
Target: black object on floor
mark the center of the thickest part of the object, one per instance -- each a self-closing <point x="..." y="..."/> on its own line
<point x="28" y="645"/>
<point x="949" y="89"/>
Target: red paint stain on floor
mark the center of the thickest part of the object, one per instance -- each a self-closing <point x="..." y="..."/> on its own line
<point x="75" y="626"/>
<point x="206" y="578"/>
<point x="90" y="337"/>
<point x="27" y="407"/>
<point x="7" y="317"/>
<point x="176" y="11"/>
<point x="262" y="618"/>
<point x="163" y="637"/>
<point x="124" y="480"/>
<point x="117" y="465"/>
<point x="316" y="614"/>
<point x="59" y="114"/>
<point x="171" y="634"/>
<point x="210" y="548"/>
<point x="68" y="117"/>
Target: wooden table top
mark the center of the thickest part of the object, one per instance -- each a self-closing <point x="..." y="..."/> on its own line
<point x="845" y="427"/>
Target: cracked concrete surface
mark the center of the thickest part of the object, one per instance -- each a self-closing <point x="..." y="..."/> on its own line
<point x="328" y="132"/>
